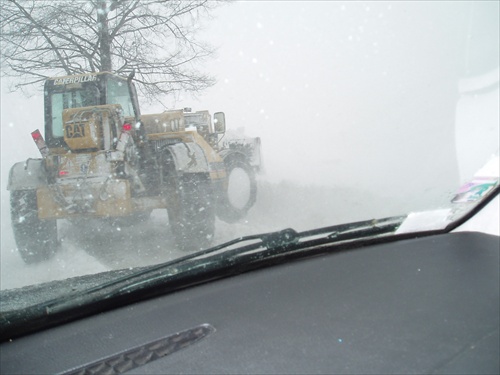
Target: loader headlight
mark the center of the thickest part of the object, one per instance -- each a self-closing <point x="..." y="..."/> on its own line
<point x="103" y="195"/>
<point x="114" y="156"/>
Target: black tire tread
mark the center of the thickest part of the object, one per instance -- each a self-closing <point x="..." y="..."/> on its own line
<point x="192" y="212"/>
<point x="227" y="212"/>
<point x="36" y="239"/>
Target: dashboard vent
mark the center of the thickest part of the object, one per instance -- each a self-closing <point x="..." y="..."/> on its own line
<point x="143" y="354"/>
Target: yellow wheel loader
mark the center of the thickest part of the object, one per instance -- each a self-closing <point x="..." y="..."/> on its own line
<point x="101" y="158"/>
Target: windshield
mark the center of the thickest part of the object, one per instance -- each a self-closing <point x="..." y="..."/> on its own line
<point x="329" y="113"/>
<point x="85" y="97"/>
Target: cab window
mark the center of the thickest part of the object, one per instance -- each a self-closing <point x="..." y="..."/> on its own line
<point x="118" y="93"/>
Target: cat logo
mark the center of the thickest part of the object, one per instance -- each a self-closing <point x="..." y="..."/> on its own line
<point x="75" y="130"/>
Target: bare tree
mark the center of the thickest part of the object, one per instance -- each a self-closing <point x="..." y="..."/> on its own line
<point x="156" y="38"/>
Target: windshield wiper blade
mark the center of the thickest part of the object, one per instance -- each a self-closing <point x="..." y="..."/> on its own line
<point x="336" y="233"/>
<point x="282" y="239"/>
<point x="273" y="241"/>
<point x="286" y="240"/>
<point x="215" y="262"/>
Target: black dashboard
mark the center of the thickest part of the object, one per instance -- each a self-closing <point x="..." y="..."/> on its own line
<point x="423" y="305"/>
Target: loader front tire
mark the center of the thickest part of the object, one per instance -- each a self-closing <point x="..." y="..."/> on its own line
<point x="191" y="211"/>
<point x="36" y="239"/>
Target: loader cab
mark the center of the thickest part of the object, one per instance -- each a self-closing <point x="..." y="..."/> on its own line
<point x="202" y="122"/>
<point x="85" y="90"/>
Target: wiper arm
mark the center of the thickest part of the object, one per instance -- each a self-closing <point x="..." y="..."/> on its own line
<point x="343" y="232"/>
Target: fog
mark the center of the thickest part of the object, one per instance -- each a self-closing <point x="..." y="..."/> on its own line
<point x="345" y="93"/>
<point x="335" y="90"/>
<point x="355" y="104"/>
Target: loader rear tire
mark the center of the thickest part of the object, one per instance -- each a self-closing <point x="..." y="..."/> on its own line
<point x="192" y="211"/>
<point x="36" y="239"/>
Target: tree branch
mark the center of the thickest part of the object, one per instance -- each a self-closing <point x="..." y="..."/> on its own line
<point x="157" y="38"/>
